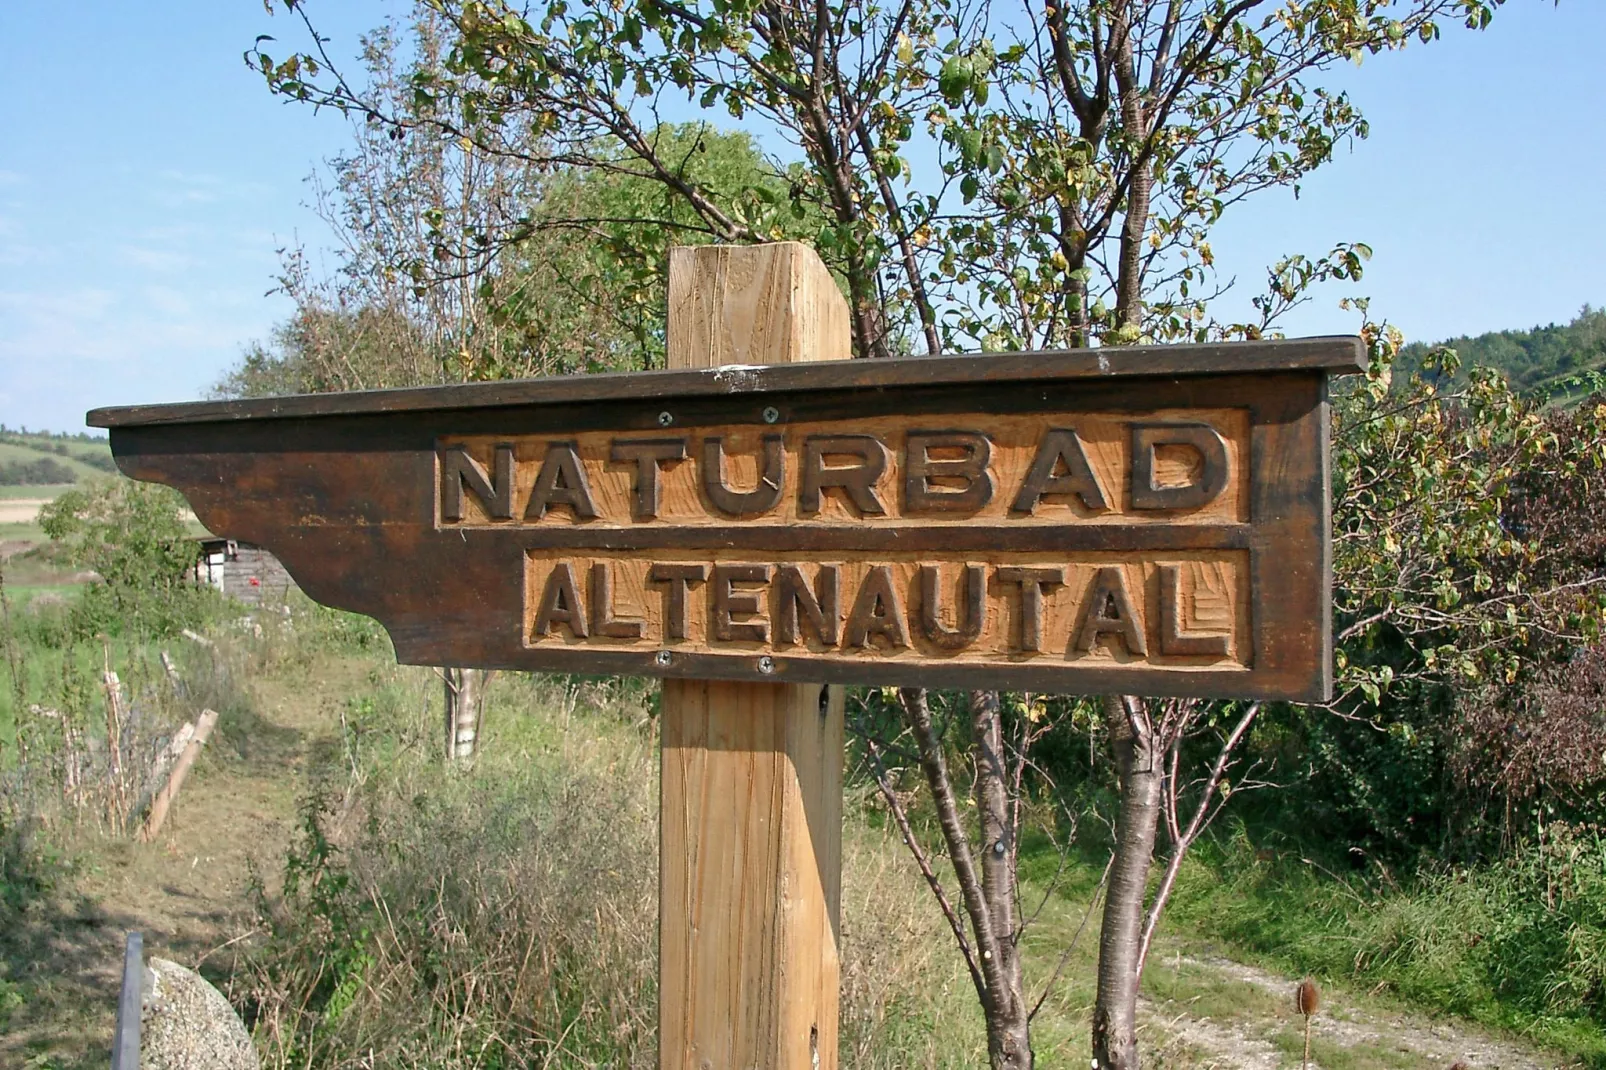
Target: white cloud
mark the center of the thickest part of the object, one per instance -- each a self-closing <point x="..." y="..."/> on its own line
<point x="64" y="353"/>
<point x="168" y="301"/>
<point x="142" y="341"/>
<point x="151" y="259"/>
<point x="177" y="188"/>
<point x="19" y="254"/>
<point x="147" y="294"/>
<point x="33" y="305"/>
<point x="191" y="178"/>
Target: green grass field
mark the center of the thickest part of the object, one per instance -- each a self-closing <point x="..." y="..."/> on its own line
<point x="20" y="448"/>
<point x="531" y="876"/>
<point x="23" y="593"/>
<point x="28" y="532"/>
<point x="34" y="490"/>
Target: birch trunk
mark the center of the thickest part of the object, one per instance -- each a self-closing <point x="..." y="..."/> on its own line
<point x="1137" y="762"/>
<point x="1009" y="1041"/>
<point x="465" y="699"/>
<point x="1135" y="126"/>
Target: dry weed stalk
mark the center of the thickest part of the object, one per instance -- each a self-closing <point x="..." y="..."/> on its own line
<point x="102" y="777"/>
<point x="1307" y="998"/>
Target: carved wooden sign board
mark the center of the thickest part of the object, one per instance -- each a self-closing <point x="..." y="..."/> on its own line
<point x="1141" y="520"/>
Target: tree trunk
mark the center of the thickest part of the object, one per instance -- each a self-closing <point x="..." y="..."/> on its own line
<point x="1137" y="762"/>
<point x="1009" y="1042"/>
<point x="465" y="698"/>
<point x="1135" y="126"/>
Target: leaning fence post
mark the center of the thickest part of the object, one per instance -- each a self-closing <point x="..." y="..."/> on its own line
<point x="175" y="779"/>
<point x="125" y="1041"/>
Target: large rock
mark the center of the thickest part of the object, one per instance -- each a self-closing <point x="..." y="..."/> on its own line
<point x="188" y="1025"/>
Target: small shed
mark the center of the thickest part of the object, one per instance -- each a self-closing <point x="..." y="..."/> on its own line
<point x="242" y="570"/>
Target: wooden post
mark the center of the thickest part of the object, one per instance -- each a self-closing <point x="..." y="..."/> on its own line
<point x="751" y="848"/>
<point x="125" y="1037"/>
<point x="175" y="779"/>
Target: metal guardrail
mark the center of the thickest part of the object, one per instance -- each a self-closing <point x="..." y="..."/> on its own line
<point x="125" y="1041"/>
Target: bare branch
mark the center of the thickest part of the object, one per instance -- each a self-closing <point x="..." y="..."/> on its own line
<point x="935" y="768"/>
<point x="1208" y="805"/>
<point x="901" y="816"/>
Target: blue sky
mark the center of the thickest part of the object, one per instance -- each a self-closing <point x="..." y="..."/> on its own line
<point x="147" y="180"/>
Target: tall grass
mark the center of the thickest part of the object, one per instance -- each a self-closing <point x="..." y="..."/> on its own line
<point x="907" y="1001"/>
<point x="75" y="782"/>
<point x="73" y="756"/>
<point x="487" y="920"/>
<point x="506" y="915"/>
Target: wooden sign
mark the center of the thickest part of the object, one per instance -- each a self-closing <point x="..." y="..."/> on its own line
<point x="763" y="520"/>
<point x="1137" y="520"/>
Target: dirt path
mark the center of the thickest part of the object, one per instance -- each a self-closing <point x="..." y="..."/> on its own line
<point x="20" y="510"/>
<point x="1243" y="1017"/>
<point x="188" y="893"/>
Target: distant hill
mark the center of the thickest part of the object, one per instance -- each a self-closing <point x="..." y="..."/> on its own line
<point x="1539" y="360"/>
<point x="31" y="458"/>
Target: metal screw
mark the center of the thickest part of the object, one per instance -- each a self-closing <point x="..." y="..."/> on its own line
<point x="663" y="657"/>
<point x="771" y="414"/>
<point x="998" y="848"/>
<point x="766" y="664"/>
<point x="665" y="419"/>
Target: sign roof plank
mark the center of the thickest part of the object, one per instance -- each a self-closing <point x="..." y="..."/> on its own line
<point x="1337" y="355"/>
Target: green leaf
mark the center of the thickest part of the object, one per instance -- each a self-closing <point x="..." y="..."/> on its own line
<point x="970" y="144"/>
<point x="954" y="79"/>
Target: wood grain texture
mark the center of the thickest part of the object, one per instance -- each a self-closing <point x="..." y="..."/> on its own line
<point x="751" y="778"/>
<point x="750" y="882"/>
<point x="1013" y="444"/>
<point x="1212" y="597"/>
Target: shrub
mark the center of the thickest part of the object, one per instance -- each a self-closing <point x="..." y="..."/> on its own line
<point x="44" y="471"/>
<point x="97" y="460"/>
<point x="133" y="536"/>
<point x="26" y="870"/>
<point x="1517" y="943"/>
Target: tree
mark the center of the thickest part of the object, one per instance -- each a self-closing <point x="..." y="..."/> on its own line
<point x="407" y="305"/>
<point x="1466" y="554"/>
<point x="424" y="294"/>
<point x="133" y="537"/>
<point x="977" y="175"/>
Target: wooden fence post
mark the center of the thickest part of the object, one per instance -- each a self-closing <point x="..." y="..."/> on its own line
<point x="750" y="868"/>
<point x="175" y="780"/>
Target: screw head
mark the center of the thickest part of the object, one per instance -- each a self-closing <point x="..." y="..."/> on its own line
<point x="665" y="419"/>
<point x="663" y="657"/>
<point x="771" y="414"/>
<point x="766" y="664"/>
